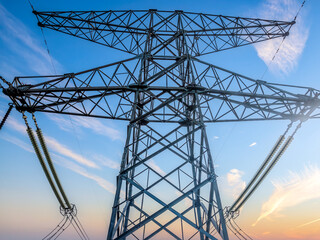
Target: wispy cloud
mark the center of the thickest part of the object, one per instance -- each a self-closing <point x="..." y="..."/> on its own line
<point x="84" y="122"/>
<point x="155" y="167"/>
<point x="83" y="172"/>
<point x="298" y="188"/>
<point x="56" y="146"/>
<point x="287" y="58"/>
<point x="252" y="144"/>
<point x="17" y="142"/>
<point x="64" y="162"/>
<point x="105" y="161"/>
<point x="308" y="223"/>
<point x="29" y="50"/>
<point x="16" y="125"/>
<point x="235" y="181"/>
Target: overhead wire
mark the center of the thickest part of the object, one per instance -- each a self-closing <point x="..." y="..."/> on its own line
<point x="240" y="229"/>
<point x="45" y="42"/>
<point x="56" y="231"/>
<point x="236" y="230"/>
<point x="79" y="228"/>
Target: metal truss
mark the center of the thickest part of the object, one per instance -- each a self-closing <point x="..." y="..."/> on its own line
<point x="109" y="92"/>
<point x="165" y="82"/>
<point x="130" y="31"/>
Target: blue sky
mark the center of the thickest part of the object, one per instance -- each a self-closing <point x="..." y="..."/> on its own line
<point x="28" y="209"/>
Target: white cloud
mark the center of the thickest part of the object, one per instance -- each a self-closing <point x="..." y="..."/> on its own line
<point x="155" y="167"/>
<point x="17" y="142"/>
<point x="85" y="122"/>
<point x="18" y="39"/>
<point x="215" y="137"/>
<point x="83" y="172"/>
<point x="16" y="125"/>
<point x="64" y="163"/>
<point x="252" y="144"/>
<point x="65" y="151"/>
<point x="308" y="223"/>
<point x="298" y="188"/>
<point x="58" y="147"/>
<point x="287" y="57"/>
<point x="234" y="179"/>
<point x="105" y="161"/>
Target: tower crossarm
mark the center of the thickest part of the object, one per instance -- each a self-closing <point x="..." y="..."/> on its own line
<point x="129" y="31"/>
<point x="109" y="91"/>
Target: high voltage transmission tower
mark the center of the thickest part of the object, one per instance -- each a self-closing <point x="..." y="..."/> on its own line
<point x="167" y="95"/>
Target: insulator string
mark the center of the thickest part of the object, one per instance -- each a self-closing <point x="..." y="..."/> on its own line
<point x="4" y="119"/>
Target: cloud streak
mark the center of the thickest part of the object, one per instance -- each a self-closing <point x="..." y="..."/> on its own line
<point x="93" y="124"/>
<point x="18" y="39"/>
<point x="17" y="142"/>
<point x="308" y="223"/>
<point x="16" y="125"/>
<point x="297" y="189"/>
<point x="155" y="167"/>
<point x="105" y="161"/>
<point x="83" y="172"/>
<point x="65" y="151"/>
<point x="287" y="58"/>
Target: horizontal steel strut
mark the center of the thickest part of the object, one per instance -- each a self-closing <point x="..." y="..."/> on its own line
<point x="225" y="96"/>
<point x="165" y="82"/>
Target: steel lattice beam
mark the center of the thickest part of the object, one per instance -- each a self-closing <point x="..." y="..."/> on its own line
<point x="108" y="92"/>
<point x="129" y="31"/>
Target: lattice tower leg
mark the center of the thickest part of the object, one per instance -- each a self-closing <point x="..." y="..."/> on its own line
<point x="167" y="188"/>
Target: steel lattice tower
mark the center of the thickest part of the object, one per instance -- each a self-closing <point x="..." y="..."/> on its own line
<point x="168" y="95"/>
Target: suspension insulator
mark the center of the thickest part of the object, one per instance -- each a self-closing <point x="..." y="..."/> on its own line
<point x="51" y="166"/>
<point x="43" y="165"/>
<point x="258" y="173"/>
<point x="6" y="116"/>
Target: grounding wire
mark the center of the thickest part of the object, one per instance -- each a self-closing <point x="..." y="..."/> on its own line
<point x="274" y="56"/>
